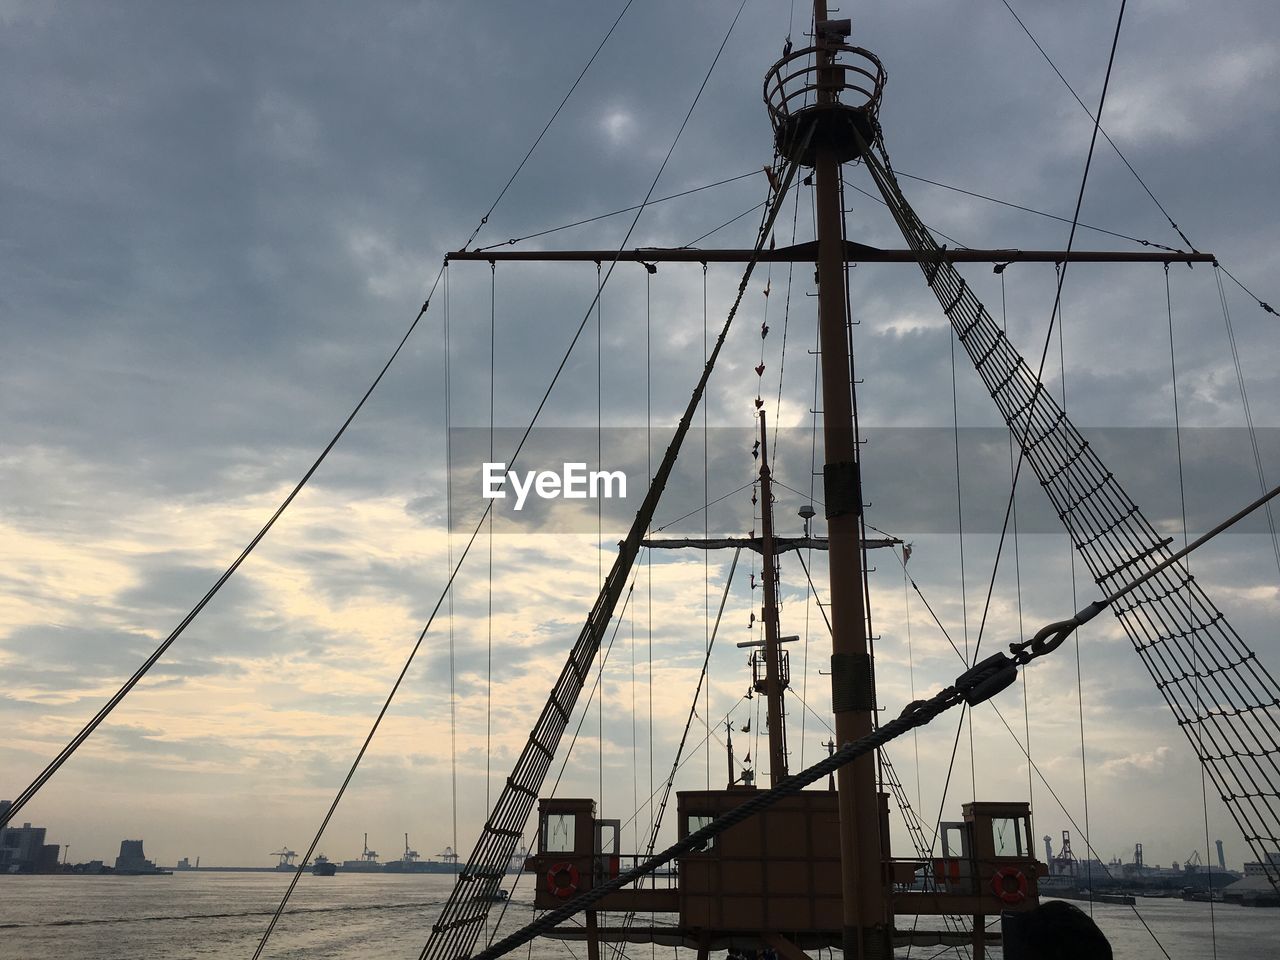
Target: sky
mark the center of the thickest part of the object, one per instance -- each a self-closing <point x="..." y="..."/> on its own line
<point x="221" y="219"/>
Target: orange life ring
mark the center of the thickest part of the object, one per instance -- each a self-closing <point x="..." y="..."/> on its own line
<point x="1009" y="893"/>
<point x="562" y="880"/>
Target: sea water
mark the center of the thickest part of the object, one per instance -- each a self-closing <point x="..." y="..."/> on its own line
<point x="220" y="916"/>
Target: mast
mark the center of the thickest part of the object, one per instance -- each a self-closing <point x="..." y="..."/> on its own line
<point x="867" y="919"/>
<point x="772" y="654"/>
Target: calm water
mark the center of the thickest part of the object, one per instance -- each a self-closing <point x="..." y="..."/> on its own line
<point x="380" y="917"/>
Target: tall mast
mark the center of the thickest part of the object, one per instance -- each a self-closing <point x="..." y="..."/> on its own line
<point x="772" y="654"/>
<point x="867" y="918"/>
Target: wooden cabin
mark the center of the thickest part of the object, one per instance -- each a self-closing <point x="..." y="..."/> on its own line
<point x="776" y="876"/>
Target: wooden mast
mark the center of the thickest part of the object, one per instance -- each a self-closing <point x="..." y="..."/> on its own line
<point x="772" y="647"/>
<point x="868" y="924"/>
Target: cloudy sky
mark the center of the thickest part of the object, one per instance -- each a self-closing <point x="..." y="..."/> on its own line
<point x="220" y="219"/>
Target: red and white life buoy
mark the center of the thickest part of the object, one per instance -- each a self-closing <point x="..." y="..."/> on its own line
<point x="1010" y="885"/>
<point x="562" y="879"/>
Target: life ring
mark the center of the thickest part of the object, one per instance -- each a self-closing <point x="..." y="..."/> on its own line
<point x="562" y="879"/>
<point x="1010" y="893"/>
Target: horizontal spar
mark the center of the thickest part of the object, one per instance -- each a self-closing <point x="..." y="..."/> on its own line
<point x="854" y="253"/>
<point x="780" y="544"/>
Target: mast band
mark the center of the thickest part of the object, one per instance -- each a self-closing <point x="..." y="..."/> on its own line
<point x="842" y="489"/>
<point x="851" y="682"/>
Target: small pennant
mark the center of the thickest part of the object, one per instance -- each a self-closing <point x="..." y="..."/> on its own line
<point x="764" y="330"/>
<point x="760" y="370"/>
<point x="759" y="403"/>
<point x="774" y="185"/>
<point x="767" y="287"/>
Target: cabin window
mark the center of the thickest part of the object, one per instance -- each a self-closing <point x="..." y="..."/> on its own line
<point x="695" y="822"/>
<point x="559" y="833"/>
<point x="1011" y="836"/>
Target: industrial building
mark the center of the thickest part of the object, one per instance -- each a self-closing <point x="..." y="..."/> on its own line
<point x="23" y="850"/>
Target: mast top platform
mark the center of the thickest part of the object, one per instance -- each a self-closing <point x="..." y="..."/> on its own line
<point x="816" y="101"/>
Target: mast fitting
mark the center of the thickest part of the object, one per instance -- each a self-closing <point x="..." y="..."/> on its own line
<point x="851" y="687"/>
<point x="842" y="489"/>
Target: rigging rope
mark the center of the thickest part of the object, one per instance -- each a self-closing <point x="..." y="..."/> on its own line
<point x="706" y="534"/>
<point x="1114" y="537"/>
<point x="457" y="927"/>
<point x="488" y="669"/>
<point x="1125" y="160"/>
<point x="1248" y="412"/>
<point x="1038" y="213"/>
<point x="1017" y="572"/>
<point x="703" y="675"/>
<point x="879" y="200"/>
<point x="1195" y="652"/>
<point x="744" y="213"/>
<point x="600" y="510"/>
<point x="974" y="686"/>
<point x="104" y="711"/>
<point x="613" y="213"/>
<point x="63" y="755"/>
<point x="529" y="153"/>
<point x="648" y="421"/>
<point x="964" y="596"/>
<point x="604" y="603"/>
<point x="813" y="461"/>
<point x="1071" y="558"/>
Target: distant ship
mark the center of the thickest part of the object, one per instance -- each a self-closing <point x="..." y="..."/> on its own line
<point x="323" y="867"/>
<point x="411" y="862"/>
<point x="368" y="862"/>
